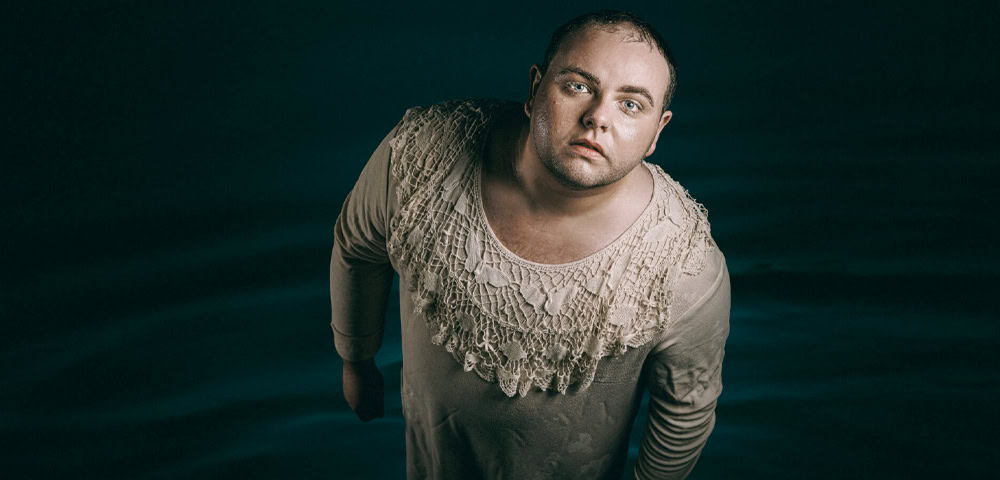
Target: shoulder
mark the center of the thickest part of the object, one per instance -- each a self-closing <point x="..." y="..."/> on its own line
<point x="437" y="128"/>
<point x="449" y="115"/>
<point x="699" y="268"/>
<point x="694" y="261"/>
<point x="429" y="140"/>
<point x="680" y="222"/>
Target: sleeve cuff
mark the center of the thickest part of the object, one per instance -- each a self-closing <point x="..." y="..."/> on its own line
<point x="356" y="349"/>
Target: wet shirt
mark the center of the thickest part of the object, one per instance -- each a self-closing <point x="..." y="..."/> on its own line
<point x="515" y="369"/>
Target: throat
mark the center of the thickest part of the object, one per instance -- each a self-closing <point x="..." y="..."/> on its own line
<point x="553" y="238"/>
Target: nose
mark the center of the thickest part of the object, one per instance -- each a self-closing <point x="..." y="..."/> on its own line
<point x="598" y="115"/>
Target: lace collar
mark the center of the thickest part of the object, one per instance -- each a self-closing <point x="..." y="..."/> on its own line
<point x="519" y="323"/>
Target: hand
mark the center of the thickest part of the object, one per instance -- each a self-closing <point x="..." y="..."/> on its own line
<point x="364" y="389"/>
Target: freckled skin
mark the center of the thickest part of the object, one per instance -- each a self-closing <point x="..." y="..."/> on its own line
<point x="560" y="114"/>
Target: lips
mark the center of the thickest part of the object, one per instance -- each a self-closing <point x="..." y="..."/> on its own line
<point x="588" y="144"/>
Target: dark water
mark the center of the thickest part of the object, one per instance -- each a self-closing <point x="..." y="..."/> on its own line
<point x="172" y="174"/>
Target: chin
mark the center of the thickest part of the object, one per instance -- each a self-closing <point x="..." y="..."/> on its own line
<point x="580" y="174"/>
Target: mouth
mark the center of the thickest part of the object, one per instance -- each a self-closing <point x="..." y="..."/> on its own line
<point x="584" y="145"/>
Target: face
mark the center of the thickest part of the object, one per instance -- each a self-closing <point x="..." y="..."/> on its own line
<point x="598" y="110"/>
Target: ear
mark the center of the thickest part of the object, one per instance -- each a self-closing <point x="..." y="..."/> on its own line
<point x="534" y="79"/>
<point x="664" y="119"/>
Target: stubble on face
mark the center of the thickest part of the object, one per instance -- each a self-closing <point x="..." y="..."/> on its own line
<point x="577" y="178"/>
<point x="550" y="149"/>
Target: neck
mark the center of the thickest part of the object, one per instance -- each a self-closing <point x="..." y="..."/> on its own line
<point x="516" y="166"/>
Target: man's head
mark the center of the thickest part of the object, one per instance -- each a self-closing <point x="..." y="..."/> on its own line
<point x="613" y="21"/>
<point x="598" y="104"/>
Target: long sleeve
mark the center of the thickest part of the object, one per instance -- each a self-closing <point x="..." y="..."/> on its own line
<point x="685" y="377"/>
<point x="360" y="271"/>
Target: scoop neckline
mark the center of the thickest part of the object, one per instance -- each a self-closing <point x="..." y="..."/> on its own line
<point x="485" y="224"/>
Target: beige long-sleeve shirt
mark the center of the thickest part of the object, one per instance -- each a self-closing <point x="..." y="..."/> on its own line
<point x="513" y="369"/>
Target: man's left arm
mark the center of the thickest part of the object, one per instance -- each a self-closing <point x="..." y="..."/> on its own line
<point x="685" y="378"/>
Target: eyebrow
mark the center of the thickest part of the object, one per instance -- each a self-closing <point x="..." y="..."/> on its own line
<point x="593" y="79"/>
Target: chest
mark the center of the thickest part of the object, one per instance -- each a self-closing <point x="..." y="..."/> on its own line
<point x="551" y="240"/>
<point x="536" y="243"/>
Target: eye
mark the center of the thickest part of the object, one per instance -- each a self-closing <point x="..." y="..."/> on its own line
<point x="632" y="106"/>
<point x="577" y="87"/>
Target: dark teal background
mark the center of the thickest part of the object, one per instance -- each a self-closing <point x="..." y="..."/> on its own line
<point x="172" y="172"/>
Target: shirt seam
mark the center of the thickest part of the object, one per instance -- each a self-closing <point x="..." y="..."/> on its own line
<point x="343" y="334"/>
<point x="700" y="302"/>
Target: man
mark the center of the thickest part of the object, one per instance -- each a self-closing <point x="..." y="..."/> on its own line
<point x="549" y="275"/>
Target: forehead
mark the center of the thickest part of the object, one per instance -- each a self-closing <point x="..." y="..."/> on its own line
<point x="619" y="57"/>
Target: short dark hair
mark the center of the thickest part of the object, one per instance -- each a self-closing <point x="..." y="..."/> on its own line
<point x="611" y="20"/>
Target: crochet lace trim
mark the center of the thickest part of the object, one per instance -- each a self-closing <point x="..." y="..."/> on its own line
<point x="514" y="322"/>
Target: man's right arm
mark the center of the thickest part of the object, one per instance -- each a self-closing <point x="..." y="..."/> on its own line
<point x="361" y="279"/>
